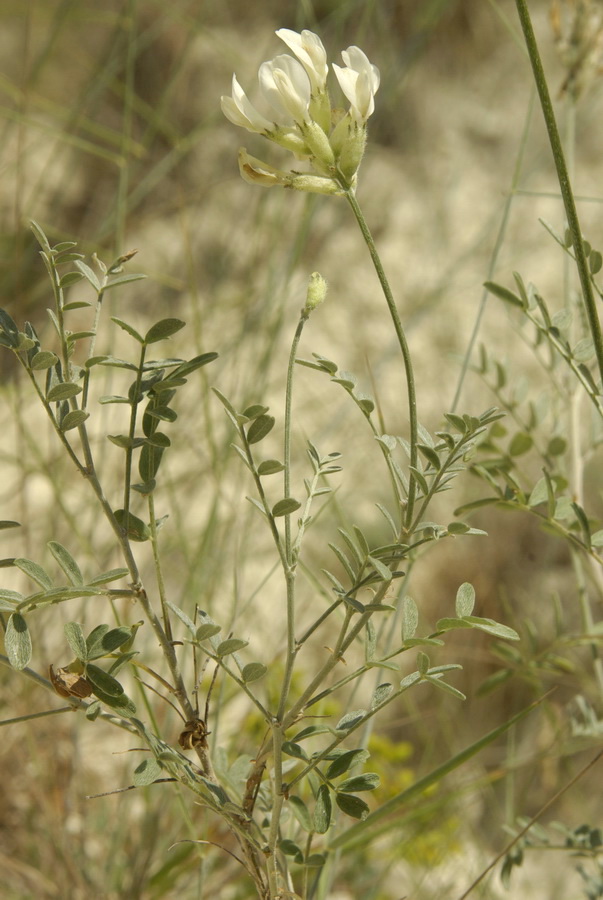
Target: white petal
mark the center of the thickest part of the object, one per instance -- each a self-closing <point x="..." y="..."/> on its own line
<point x="233" y="113"/>
<point x="310" y="51"/>
<point x="257" y="120"/>
<point x="240" y="111"/>
<point x="347" y="81"/>
<point x="356" y="59"/>
<point x="286" y="87"/>
<point x="359" y="82"/>
<point x="365" y="103"/>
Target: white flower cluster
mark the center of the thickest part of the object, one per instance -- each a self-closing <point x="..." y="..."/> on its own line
<point x="300" y="117"/>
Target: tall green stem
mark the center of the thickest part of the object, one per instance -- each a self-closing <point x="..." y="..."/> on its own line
<point x="564" y="181"/>
<point x="287" y="438"/>
<point x="289" y="560"/>
<point x="410" y="378"/>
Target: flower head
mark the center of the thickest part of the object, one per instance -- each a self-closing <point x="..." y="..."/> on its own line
<point x="299" y="116"/>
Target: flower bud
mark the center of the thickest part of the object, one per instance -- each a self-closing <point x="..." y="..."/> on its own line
<point x="318" y="143"/>
<point x="352" y="151"/>
<point x="317" y="291"/>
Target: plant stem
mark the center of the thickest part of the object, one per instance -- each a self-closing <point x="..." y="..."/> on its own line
<point x="97" y="313"/>
<point x="272" y="864"/>
<point x="330" y="664"/>
<point x="410" y="378"/>
<point x="290" y="564"/>
<point x="587" y="616"/>
<point x="564" y="181"/>
<point x="134" y="401"/>
<point x="158" y="569"/>
<point x="287" y="436"/>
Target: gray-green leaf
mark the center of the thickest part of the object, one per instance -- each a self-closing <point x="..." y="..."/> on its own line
<point x="17" y="641"/>
<point x="137" y="530"/>
<point x="148" y="771"/>
<point x="73" y="419"/>
<point x="381" y="569"/>
<point x="301" y="812"/>
<point x="44" y="359"/>
<point x="270" y="467"/>
<point x="345" y="761"/>
<point x="66" y="562"/>
<point x="465" y="599"/>
<point x="35" y="572"/>
<point x="102" y="640"/>
<point x="253" y="671"/>
<point x="207" y="631"/>
<point x="63" y="391"/>
<point x="352" y="806"/>
<point x="259" y="428"/>
<point x="231" y="645"/>
<point x="285" y="507"/>
<point x="128" y="329"/>
<point x="106" y="577"/>
<point x="410" y="618"/>
<point x="76" y="640"/>
<point x="162" y="330"/>
<point x="490" y="626"/>
<point x="368" y="781"/>
<point x="350" y="720"/>
<point x="104" y="682"/>
<point x="322" y="810"/>
<point x="381" y="694"/>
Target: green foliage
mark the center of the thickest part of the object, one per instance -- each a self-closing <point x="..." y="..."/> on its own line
<point x="327" y="776"/>
<point x="285" y="791"/>
<point x="583" y="842"/>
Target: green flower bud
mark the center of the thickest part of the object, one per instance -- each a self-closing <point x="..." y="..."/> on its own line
<point x="318" y="143"/>
<point x="317" y="291"/>
<point x="352" y="151"/>
<point x="313" y="184"/>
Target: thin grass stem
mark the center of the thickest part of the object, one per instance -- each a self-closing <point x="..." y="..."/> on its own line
<point x="564" y="182"/>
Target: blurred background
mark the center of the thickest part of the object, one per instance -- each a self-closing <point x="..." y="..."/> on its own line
<point x="112" y="135"/>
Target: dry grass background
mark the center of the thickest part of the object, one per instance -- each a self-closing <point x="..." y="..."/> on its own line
<point x="112" y="135"/>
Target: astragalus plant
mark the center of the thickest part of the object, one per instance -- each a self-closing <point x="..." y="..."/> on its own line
<point x="290" y="807"/>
